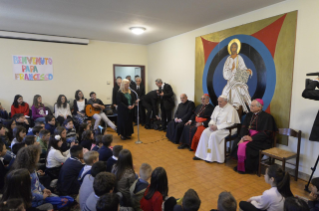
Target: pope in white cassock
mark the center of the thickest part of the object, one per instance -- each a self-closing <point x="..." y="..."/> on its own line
<point x="236" y="73"/>
<point x="211" y="144"/>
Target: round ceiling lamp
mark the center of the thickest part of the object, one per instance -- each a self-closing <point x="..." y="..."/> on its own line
<point x="137" y="30"/>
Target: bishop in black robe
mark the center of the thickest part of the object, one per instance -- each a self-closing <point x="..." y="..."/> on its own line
<point x="203" y="111"/>
<point x="182" y="115"/>
<point x="265" y="126"/>
<point x="311" y="93"/>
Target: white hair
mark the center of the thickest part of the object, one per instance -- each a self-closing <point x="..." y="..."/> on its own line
<point x="158" y="80"/>
<point x="224" y="97"/>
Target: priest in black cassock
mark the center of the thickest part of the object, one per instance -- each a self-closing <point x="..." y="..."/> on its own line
<point x="202" y="114"/>
<point x="257" y="133"/>
<point x="115" y="90"/>
<point x="182" y="115"/>
<point x="312" y="93"/>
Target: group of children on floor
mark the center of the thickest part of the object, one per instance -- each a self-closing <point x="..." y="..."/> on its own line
<point x="49" y="167"/>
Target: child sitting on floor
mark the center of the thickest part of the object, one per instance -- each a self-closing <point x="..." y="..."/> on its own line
<point x="274" y="198"/>
<point x="191" y="202"/>
<point x="67" y="182"/>
<point x="44" y="141"/>
<point x="103" y="183"/>
<point x="113" y="160"/>
<point x="87" y="139"/>
<point x="19" y="132"/>
<point x="140" y="185"/>
<point x="50" y="123"/>
<point x="98" y="142"/>
<point x="87" y="184"/>
<point x="90" y="158"/>
<point x="105" y="152"/>
<point x="70" y="130"/>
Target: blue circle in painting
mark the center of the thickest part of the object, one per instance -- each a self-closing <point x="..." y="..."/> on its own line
<point x="269" y="77"/>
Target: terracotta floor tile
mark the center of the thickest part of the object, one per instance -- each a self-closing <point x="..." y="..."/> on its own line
<point x="207" y="179"/>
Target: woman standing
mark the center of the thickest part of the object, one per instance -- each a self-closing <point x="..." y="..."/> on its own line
<point x="38" y="109"/>
<point x="62" y="109"/>
<point x="79" y="104"/>
<point x="126" y="101"/>
<point x="19" y="106"/>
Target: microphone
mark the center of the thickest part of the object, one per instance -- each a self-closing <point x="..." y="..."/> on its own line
<point x="137" y="118"/>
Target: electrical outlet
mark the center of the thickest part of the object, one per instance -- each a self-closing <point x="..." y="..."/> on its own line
<point x="108" y="83"/>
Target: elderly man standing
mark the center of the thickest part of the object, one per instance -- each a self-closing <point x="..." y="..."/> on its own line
<point x="211" y="144"/>
<point x="182" y="115"/>
<point x="196" y="124"/>
<point x="166" y="95"/>
<point x="257" y="133"/>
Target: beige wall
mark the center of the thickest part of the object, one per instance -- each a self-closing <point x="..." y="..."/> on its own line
<point x="174" y="61"/>
<point x="85" y="67"/>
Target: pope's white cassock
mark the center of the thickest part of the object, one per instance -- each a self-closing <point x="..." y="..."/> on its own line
<point x="211" y="145"/>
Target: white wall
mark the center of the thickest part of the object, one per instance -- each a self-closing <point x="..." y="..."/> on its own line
<point x="75" y="67"/>
<point x="174" y="61"/>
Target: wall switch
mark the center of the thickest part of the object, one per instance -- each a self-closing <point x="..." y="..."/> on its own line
<point x="108" y="83"/>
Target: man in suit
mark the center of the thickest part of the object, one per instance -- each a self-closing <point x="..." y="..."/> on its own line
<point x="166" y="94"/>
<point x="132" y="83"/>
<point x="115" y="90"/>
<point x="150" y="103"/>
<point x="140" y="90"/>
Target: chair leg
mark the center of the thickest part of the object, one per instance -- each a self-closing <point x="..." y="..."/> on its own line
<point x="259" y="169"/>
<point x="296" y="171"/>
<point x="225" y="151"/>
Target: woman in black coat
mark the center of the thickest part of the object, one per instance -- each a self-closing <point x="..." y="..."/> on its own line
<point x="126" y="101"/>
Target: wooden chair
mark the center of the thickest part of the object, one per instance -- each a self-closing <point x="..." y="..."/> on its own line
<point x="275" y="153"/>
<point x="232" y="136"/>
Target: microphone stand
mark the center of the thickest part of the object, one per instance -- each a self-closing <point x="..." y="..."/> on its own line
<point x="138" y="119"/>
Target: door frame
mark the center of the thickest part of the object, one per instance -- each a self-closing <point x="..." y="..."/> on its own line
<point x="127" y="65"/>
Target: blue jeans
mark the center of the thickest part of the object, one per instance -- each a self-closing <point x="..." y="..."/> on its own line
<point x="40" y="119"/>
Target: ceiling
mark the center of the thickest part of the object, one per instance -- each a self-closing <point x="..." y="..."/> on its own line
<point x="109" y="20"/>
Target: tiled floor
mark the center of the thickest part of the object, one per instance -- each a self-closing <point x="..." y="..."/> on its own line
<point x="184" y="173"/>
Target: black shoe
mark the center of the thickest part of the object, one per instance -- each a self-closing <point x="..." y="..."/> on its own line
<point x="123" y="138"/>
<point x="183" y="146"/>
<point x="196" y="158"/>
<point x="190" y="149"/>
<point x="239" y="172"/>
<point x="147" y="127"/>
<point x="208" y="161"/>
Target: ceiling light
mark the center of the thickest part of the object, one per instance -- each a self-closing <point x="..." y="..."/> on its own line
<point x="137" y="30"/>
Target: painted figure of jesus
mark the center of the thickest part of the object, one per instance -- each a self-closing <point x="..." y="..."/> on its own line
<point x="236" y="73"/>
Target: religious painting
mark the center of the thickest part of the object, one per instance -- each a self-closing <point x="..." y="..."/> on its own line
<point x="250" y="61"/>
